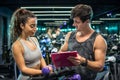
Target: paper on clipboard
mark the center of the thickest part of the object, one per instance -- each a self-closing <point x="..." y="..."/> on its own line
<point x="60" y="59"/>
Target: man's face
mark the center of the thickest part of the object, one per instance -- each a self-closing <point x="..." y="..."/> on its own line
<point x="79" y="25"/>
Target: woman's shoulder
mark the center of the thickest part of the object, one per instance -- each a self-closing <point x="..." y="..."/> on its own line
<point x="16" y="44"/>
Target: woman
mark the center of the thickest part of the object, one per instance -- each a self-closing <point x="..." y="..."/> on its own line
<point x="25" y="47"/>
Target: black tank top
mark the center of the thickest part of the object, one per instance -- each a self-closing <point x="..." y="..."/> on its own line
<point x="85" y="49"/>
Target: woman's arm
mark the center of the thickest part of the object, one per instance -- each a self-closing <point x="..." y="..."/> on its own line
<point x="42" y="60"/>
<point x="17" y="51"/>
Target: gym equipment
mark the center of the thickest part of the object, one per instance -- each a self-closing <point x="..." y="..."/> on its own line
<point x="67" y="74"/>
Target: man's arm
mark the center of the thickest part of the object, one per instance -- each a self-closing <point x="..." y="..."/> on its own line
<point x="64" y="47"/>
<point x="100" y="48"/>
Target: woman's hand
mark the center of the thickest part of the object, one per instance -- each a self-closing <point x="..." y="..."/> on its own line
<point x="47" y="70"/>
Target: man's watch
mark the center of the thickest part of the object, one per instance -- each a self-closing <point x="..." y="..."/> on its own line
<point x="85" y="63"/>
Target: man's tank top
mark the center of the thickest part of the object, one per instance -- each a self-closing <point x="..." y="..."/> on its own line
<point x="32" y="57"/>
<point x="85" y="49"/>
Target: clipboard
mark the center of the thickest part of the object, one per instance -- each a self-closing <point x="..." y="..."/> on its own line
<point x="60" y="59"/>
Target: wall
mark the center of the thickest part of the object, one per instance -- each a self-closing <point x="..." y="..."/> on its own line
<point x="5" y="15"/>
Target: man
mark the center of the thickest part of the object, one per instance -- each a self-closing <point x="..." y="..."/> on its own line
<point x="90" y="45"/>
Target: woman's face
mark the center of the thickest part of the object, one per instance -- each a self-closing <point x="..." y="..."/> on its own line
<point x="30" y="27"/>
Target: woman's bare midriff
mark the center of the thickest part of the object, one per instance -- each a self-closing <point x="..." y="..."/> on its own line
<point x="36" y="66"/>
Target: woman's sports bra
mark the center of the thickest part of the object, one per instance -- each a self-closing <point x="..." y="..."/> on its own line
<point x="32" y="57"/>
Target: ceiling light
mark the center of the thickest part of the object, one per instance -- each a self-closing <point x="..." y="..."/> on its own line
<point x="52" y="19"/>
<point x="109" y="18"/>
<point x="49" y="7"/>
<point x="117" y="14"/>
<point x="52" y="23"/>
<point x="60" y="21"/>
<point x="51" y="11"/>
<point x="52" y="14"/>
<point x="97" y="21"/>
